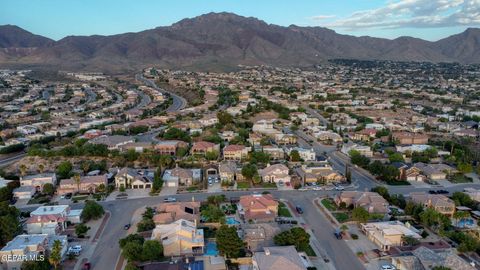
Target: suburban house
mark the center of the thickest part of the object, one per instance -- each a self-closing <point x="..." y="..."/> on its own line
<point x="388" y="233"/>
<point x="282" y="138"/>
<point x="24" y="193"/>
<point x="278" y="258"/>
<point x="364" y="150"/>
<point x="370" y="201"/>
<point x="202" y="147"/>
<point x="87" y="184"/>
<point x="430" y="171"/>
<point x="38" y="180"/>
<point x="439" y="202"/>
<point x="235" y="152"/>
<point x="169" y="147"/>
<point x="179" y="238"/>
<point x="324" y="174"/>
<point x="52" y="219"/>
<point x="410" y="138"/>
<point x="170" y="212"/>
<point x="264" y="127"/>
<point x="30" y="246"/>
<point x="229" y="172"/>
<point x="364" y="135"/>
<point x="423" y="258"/>
<point x="112" y="142"/>
<point x="258" y="236"/>
<point x="258" y="207"/>
<point x="180" y="176"/>
<point x="134" y="178"/>
<point x="274" y="152"/>
<point x="305" y="154"/>
<point x="277" y="173"/>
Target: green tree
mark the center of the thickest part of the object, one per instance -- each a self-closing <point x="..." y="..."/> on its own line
<point x="36" y="265"/>
<point x="64" y="169"/>
<point x="92" y="210"/>
<point x="211" y="155"/>
<point x="133" y="251"/>
<point x="224" y="118"/>
<point x="131" y="238"/>
<point x="396" y="157"/>
<point x="9" y="223"/>
<point x="228" y="242"/>
<point x="465" y="167"/>
<point x="295" y="236"/>
<point x="48" y="189"/>
<point x="409" y="240"/>
<point x="213" y="213"/>
<point x="462" y="199"/>
<point x="295" y="156"/>
<point x="249" y="170"/>
<point x="152" y="250"/>
<point x="81" y="229"/>
<point x="361" y="215"/>
<point x="55" y="256"/>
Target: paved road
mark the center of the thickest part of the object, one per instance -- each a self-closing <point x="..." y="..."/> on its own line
<point x="91" y="96"/>
<point x="179" y="103"/>
<point x="151" y="135"/>
<point x="107" y="250"/>
<point x="9" y="159"/>
<point x="144" y="100"/>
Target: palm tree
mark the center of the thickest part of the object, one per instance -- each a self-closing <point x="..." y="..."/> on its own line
<point x="77" y="180"/>
<point x="41" y="168"/>
<point x="55" y="256"/>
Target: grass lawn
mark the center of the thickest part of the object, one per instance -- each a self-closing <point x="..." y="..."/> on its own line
<point x="243" y="185"/>
<point x="310" y="251"/>
<point x="269" y="185"/>
<point x="341" y="217"/>
<point x="39" y="200"/>
<point x="194" y="188"/>
<point x="329" y="204"/>
<point x="283" y="210"/>
<point x="398" y="183"/>
<point x="460" y="178"/>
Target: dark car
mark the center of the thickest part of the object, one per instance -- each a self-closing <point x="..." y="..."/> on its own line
<point x="442" y="191"/>
<point x="299" y="210"/>
<point x="432" y="191"/>
<point x="127" y="226"/>
<point x="338" y="234"/>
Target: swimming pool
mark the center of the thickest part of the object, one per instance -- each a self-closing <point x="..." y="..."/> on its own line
<point x="211" y="249"/>
<point x="232" y="221"/>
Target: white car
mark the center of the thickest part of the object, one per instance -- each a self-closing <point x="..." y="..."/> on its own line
<point x="388" y="267"/>
<point x="339" y="188"/>
<point x="317" y="188"/>
<point x="75" y="250"/>
<point x="170" y="199"/>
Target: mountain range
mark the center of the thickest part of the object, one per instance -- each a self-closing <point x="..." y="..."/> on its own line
<point x="222" y="41"/>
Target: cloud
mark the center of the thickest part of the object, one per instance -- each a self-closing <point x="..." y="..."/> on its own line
<point x="322" y="17"/>
<point x="414" y="13"/>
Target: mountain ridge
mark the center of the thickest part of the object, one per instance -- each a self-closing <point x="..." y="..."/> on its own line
<point x="222" y="41"/>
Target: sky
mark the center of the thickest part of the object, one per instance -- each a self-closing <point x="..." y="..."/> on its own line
<point x="426" y="19"/>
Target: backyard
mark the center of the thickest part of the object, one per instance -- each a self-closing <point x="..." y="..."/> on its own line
<point x="283" y="210"/>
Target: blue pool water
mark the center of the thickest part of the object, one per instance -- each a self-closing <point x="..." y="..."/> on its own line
<point x="465" y="222"/>
<point x="232" y="221"/>
<point x="211" y="249"/>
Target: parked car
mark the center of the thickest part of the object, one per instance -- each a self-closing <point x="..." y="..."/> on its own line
<point x="299" y="210"/>
<point x="432" y="191"/>
<point x="339" y="188"/>
<point x="388" y="267"/>
<point x="75" y="250"/>
<point x="127" y="226"/>
<point x="338" y="234"/>
<point x="170" y="199"/>
<point x="442" y="191"/>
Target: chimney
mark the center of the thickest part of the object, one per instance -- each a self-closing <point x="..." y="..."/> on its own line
<point x="267" y="251"/>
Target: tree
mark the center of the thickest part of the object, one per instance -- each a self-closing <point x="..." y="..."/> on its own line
<point x="81" y="229"/>
<point x="41" y="168"/>
<point x="249" y="170"/>
<point x="358" y="159"/>
<point x="213" y="213"/>
<point x="48" y="189"/>
<point x="435" y="220"/>
<point x="64" y="169"/>
<point x="462" y="199"/>
<point x="23" y="170"/>
<point x="9" y="222"/>
<point x="78" y="180"/>
<point x="361" y="215"/>
<point x="101" y="188"/>
<point x="152" y="250"/>
<point x="36" y="265"/>
<point x="132" y="251"/>
<point x="92" y="210"/>
<point x="131" y="238"/>
<point x="465" y="167"/>
<point x="409" y="240"/>
<point x="56" y="254"/>
<point x="228" y="242"/>
<point x="395" y="157"/>
<point x="211" y="155"/>
<point x="295" y="236"/>
<point x="295" y="156"/>
<point x="224" y="118"/>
